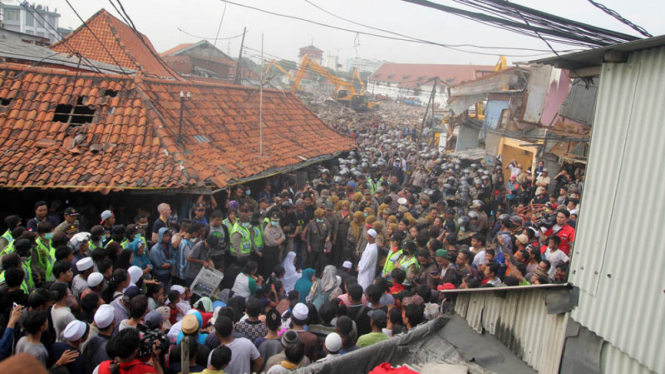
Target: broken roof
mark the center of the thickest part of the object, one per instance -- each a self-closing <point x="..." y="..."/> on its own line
<point x="121" y="45"/>
<point x="421" y="73"/>
<point x="93" y="132"/>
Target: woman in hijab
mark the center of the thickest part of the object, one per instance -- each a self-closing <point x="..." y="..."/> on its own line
<point x="321" y="289"/>
<point x="291" y="276"/>
<point x="304" y="284"/>
<point x="140" y="258"/>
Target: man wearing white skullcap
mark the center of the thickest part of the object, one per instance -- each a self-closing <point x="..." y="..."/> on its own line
<point x="74" y="335"/>
<point x="95" y="285"/>
<point x="94" y="352"/>
<point x="367" y="265"/>
<point x="85" y="267"/>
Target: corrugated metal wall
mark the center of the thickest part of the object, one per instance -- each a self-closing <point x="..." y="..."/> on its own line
<point x="520" y="321"/>
<point x="618" y="256"/>
<point x="613" y="361"/>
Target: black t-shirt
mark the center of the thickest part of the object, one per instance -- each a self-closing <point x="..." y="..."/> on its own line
<point x="360" y="314"/>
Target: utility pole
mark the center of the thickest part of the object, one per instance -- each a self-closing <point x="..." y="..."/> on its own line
<point x="238" y="79"/>
<point x="261" y="104"/>
<point x="429" y="102"/>
<point x="182" y="107"/>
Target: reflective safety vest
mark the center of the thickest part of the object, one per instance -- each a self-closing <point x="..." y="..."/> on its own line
<point x="8" y="236"/>
<point x="258" y="237"/>
<point x="124" y="244"/>
<point x="24" y="284"/>
<point x="28" y="274"/>
<point x="228" y="224"/>
<point x="8" y="249"/>
<point x="44" y="254"/>
<point x="390" y="262"/>
<point x="406" y="264"/>
<point x="371" y="185"/>
<point x="92" y="246"/>
<point x="245" y="241"/>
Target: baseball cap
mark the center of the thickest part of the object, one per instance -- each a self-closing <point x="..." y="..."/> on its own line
<point x="442" y="253"/>
<point x="522" y="238"/>
<point x="132" y="291"/>
<point x="154" y="319"/>
<point x="106" y="215"/>
<point x="378" y="315"/>
<point x="379" y="190"/>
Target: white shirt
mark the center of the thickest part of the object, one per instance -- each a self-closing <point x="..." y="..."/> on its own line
<point x="367" y="265"/>
<point x="479" y="258"/>
<point x="555" y="258"/>
<point x="514" y="170"/>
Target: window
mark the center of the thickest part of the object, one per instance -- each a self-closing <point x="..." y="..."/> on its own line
<point x="29" y="19"/>
<point x="74" y="114"/>
<point x="12" y="14"/>
<point x="201" y="138"/>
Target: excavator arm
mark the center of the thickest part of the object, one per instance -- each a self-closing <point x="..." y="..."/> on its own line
<point x="356" y="75"/>
<point x="307" y="63"/>
<point x="275" y="64"/>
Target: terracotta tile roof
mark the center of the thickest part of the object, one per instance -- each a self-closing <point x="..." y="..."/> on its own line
<point x="120" y="40"/>
<point x="420" y="73"/>
<point x="130" y="140"/>
<point x="175" y="49"/>
<point x="113" y="152"/>
<point x="228" y="117"/>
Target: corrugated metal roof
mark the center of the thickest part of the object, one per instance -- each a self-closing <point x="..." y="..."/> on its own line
<point x="616" y="262"/>
<point x="520" y="321"/>
<point x="594" y="57"/>
<point x="581" y="102"/>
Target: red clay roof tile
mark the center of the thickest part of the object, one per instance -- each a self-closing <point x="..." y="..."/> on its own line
<point x="123" y="44"/>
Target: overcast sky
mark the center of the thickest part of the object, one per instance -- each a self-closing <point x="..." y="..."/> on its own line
<point x="161" y="20"/>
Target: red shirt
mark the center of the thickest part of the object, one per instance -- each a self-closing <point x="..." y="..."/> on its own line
<point x="397" y="288"/>
<point x="567" y="235"/>
<point x="133" y="367"/>
<point x="173" y="315"/>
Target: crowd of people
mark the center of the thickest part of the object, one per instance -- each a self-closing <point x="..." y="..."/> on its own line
<point x="362" y="252"/>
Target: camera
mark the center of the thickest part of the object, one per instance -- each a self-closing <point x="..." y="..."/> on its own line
<point x="148" y="339"/>
<point x="546" y="221"/>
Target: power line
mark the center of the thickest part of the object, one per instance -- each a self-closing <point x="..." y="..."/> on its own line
<point x="85" y="24"/>
<point x="219" y="28"/>
<point x="140" y="36"/>
<point x="204" y="38"/>
<point x="369" y="34"/>
<point x="512" y="17"/>
<point x="417" y="39"/>
<point x="621" y="19"/>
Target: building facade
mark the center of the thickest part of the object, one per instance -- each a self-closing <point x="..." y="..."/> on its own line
<point x="34" y="20"/>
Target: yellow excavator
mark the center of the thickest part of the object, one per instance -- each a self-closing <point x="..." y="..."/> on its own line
<point x="279" y="67"/>
<point x="344" y="91"/>
<point x="372" y="104"/>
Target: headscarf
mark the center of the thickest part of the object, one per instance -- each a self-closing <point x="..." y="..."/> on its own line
<point x="142" y="260"/>
<point x="290" y="274"/>
<point x="357" y="197"/>
<point x="135" y="274"/>
<point x="304" y="284"/>
<point x="328" y="279"/>
<point x="358" y="220"/>
<point x="206" y="302"/>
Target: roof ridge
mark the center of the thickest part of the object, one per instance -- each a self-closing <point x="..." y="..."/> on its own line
<point x="139" y="68"/>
